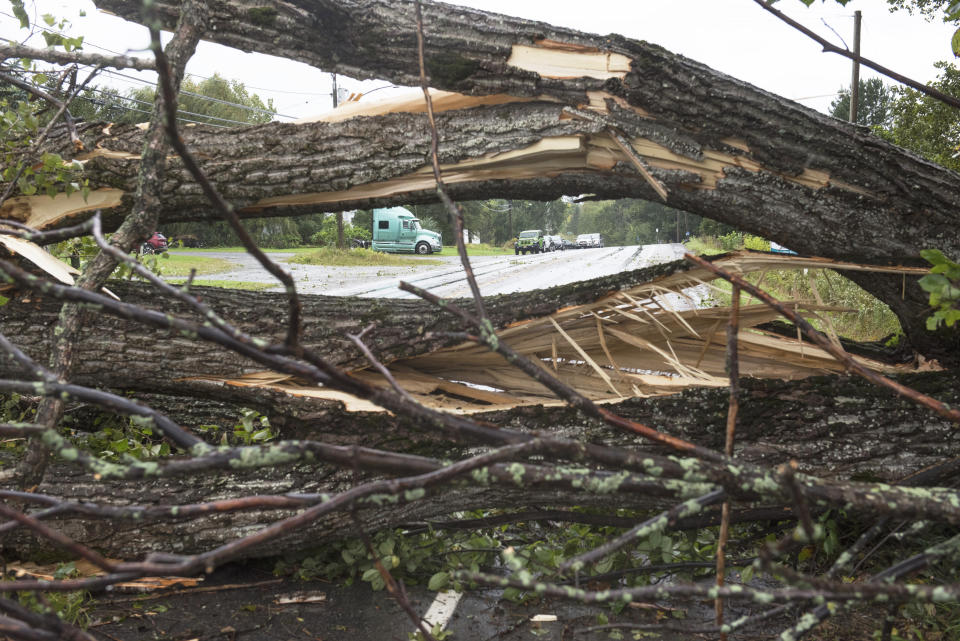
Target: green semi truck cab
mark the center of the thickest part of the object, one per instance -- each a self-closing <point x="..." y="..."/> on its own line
<point x="396" y="231"/>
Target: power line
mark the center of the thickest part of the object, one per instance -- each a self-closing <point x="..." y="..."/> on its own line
<point x="147" y="82"/>
<point x="142" y="111"/>
<point x="197" y="95"/>
<point x="179" y="111"/>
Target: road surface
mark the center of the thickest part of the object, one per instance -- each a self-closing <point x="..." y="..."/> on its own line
<point x="495" y="274"/>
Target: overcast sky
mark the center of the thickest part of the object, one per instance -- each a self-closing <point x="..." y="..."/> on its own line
<point x="734" y="36"/>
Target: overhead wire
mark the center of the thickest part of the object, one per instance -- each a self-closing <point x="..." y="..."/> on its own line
<point x="144" y="102"/>
<point x="147" y="82"/>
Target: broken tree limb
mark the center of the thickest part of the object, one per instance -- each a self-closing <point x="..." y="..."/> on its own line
<point x="646" y="338"/>
<point x="676" y="103"/>
<point x="835" y="426"/>
<point x="722" y="148"/>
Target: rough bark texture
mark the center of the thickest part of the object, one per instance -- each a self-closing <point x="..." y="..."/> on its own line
<point x="723" y="149"/>
<point x="835" y="427"/>
<point x="126" y="355"/>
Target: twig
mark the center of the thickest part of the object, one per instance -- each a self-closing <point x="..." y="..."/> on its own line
<point x="832" y="48"/>
<point x="71" y="127"/>
<point x="453" y="209"/>
<point x="651" y="526"/>
<point x="788" y="471"/>
<point x="19" y="230"/>
<point x="58" y="538"/>
<point x="226" y="209"/>
<point x="395" y="588"/>
<point x="733" y="367"/>
<point x="357" y="340"/>
<point x="40" y="93"/>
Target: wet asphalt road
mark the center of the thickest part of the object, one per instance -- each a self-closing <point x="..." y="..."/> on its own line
<point x="495" y="274"/>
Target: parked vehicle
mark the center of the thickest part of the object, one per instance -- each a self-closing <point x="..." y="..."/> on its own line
<point x="553" y="243"/>
<point x="589" y="240"/>
<point x="569" y="244"/>
<point x="156" y="244"/>
<point x="530" y="240"/>
<point x="780" y="249"/>
<point x="396" y="230"/>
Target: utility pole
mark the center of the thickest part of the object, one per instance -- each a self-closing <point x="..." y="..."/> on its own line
<point x="855" y="82"/>
<point x="340" y="242"/>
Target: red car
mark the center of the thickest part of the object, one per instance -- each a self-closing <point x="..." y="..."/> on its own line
<point x="156" y="244"/>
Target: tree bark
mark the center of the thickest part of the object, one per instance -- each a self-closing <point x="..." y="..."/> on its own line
<point x="127" y="355"/>
<point x="835" y="427"/>
<point x="722" y="148"/>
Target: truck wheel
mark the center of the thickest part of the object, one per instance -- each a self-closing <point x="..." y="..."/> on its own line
<point x="423" y="249"/>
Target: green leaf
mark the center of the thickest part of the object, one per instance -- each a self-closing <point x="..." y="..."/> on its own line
<point x="369" y="574"/>
<point x="605" y="565"/>
<point x="21" y="14"/>
<point x="955" y="43"/>
<point x="438" y="581"/>
<point x="934" y="283"/>
<point x="49" y="19"/>
<point x="52" y="39"/>
<point x="386" y="547"/>
<point x="953" y="11"/>
<point x="746" y="575"/>
<point x="934" y="256"/>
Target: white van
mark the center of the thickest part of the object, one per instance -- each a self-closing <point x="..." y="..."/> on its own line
<point x="589" y="240"/>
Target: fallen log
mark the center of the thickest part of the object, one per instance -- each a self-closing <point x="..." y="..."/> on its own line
<point x="643" y="122"/>
<point x="635" y="333"/>
<point x="835" y="427"/>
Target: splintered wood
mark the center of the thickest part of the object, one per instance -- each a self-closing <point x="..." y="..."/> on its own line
<point x="653" y="339"/>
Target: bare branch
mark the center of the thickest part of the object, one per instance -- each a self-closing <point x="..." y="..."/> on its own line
<point x="75" y="57"/>
<point x="846" y="53"/>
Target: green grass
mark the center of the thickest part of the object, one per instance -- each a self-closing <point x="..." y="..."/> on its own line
<point x="179" y="265"/>
<point x="236" y="249"/>
<point x="702" y="247"/>
<point x="482" y="249"/>
<point x="229" y="284"/>
<point x="871" y="319"/>
<point x="359" y="258"/>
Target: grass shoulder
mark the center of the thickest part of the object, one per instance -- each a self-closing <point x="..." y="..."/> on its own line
<point x="228" y="284"/>
<point x="180" y="265"/>
<point x="358" y="258"/>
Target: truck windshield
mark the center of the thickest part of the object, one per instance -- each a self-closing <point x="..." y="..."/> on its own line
<point x="415" y="224"/>
<point x="528" y="234"/>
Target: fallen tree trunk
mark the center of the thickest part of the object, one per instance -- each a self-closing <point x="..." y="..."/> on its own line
<point x="720" y="148"/>
<point x="625" y="322"/>
<point x="835" y="427"/>
<point x="123" y="354"/>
